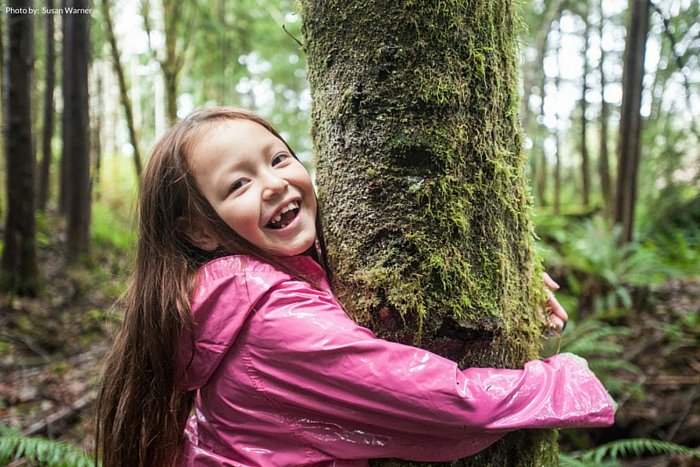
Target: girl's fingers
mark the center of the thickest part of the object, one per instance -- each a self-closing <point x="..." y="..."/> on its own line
<point x="557" y="316"/>
<point x="549" y="282"/>
<point x="555" y="307"/>
<point x="556" y="323"/>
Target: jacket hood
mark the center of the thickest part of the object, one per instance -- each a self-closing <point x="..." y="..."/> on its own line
<point x="226" y="293"/>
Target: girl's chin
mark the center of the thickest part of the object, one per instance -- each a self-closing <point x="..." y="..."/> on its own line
<point x="290" y="249"/>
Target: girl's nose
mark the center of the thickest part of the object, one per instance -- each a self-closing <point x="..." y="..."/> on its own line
<point x="273" y="186"/>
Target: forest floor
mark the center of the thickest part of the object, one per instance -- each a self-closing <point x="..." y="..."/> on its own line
<point x="51" y="348"/>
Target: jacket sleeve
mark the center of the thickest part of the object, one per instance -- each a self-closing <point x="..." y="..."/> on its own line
<point x="350" y="393"/>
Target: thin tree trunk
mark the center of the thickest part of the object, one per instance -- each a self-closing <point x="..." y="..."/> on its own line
<point x="76" y="135"/>
<point x="19" y="272"/>
<point x="49" y="111"/>
<point x="533" y="69"/>
<point x="684" y="70"/>
<point x="543" y="172"/>
<point x="3" y="172"/>
<point x="96" y="131"/>
<point x="177" y="35"/>
<point x="630" y="118"/>
<point x="421" y="174"/>
<point x="123" y="91"/>
<point x="603" y="156"/>
<point x="585" y="170"/>
<point x="557" y="136"/>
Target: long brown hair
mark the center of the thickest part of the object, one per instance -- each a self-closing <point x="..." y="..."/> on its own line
<point x="140" y="413"/>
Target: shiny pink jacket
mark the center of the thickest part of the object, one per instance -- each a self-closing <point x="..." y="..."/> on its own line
<point x="286" y="378"/>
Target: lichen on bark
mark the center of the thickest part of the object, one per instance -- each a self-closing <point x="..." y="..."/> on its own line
<point x="420" y="169"/>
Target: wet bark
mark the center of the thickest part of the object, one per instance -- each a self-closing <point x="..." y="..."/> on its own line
<point x="421" y="180"/>
<point x="19" y="272"/>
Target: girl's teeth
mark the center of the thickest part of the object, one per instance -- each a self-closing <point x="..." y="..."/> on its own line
<point x="291" y="206"/>
<point x="278" y="218"/>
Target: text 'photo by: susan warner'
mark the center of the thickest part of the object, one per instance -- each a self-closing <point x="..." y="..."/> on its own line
<point x="8" y="10"/>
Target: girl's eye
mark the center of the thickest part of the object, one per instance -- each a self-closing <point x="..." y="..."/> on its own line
<point x="238" y="184"/>
<point x="279" y="158"/>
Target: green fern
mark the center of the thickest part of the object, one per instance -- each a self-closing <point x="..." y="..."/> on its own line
<point x="607" y="454"/>
<point x="40" y="451"/>
<point x="598" y="342"/>
<point x="604" y="270"/>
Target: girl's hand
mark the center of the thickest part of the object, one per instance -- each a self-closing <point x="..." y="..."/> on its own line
<point x="556" y="314"/>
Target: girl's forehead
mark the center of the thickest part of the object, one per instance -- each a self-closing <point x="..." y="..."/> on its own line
<point x="233" y="137"/>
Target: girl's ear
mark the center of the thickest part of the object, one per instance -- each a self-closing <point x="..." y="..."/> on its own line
<point x="198" y="233"/>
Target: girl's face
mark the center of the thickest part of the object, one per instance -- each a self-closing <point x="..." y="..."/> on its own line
<point x="256" y="186"/>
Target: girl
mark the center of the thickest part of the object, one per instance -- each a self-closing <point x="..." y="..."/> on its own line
<point x="229" y="312"/>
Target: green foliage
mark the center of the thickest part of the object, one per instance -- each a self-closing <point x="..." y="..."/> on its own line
<point x="40" y="451"/>
<point x="608" y="454"/>
<point x="602" y="271"/>
<point x="599" y="343"/>
<point x="680" y="253"/>
<point x="110" y="229"/>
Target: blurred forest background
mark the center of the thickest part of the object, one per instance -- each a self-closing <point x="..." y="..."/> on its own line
<point x="615" y="187"/>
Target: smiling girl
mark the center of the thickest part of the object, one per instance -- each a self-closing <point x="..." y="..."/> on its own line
<point x="230" y="319"/>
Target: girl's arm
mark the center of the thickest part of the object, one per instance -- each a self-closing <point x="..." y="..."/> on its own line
<point x="352" y="394"/>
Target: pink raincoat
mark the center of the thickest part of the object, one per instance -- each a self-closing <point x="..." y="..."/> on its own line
<point x="286" y="378"/>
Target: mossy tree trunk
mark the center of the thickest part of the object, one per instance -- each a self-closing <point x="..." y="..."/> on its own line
<point x="421" y="178"/>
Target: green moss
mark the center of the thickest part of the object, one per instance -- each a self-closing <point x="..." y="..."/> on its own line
<point x="416" y="126"/>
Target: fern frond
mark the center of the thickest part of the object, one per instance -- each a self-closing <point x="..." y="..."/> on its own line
<point x="636" y="447"/>
<point x="565" y="460"/>
<point x="14" y="445"/>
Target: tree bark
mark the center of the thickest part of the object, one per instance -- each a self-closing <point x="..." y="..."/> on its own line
<point x="421" y="178"/>
<point x="630" y="117"/>
<point x="19" y="272"/>
<point x="542" y="174"/>
<point x="76" y="136"/>
<point x="532" y="70"/>
<point x="603" y="156"/>
<point x="49" y="110"/>
<point x="3" y="172"/>
<point x="557" y="136"/>
<point x="123" y="91"/>
<point x="177" y="25"/>
<point x="585" y="164"/>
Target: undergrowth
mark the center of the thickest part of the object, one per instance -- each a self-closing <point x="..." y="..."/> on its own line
<point x="40" y="451"/>
<point x="609" y="454"/>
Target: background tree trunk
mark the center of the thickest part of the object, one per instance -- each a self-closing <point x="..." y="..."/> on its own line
<point x="603" y="156"/>
<point x="421" y="178"/>
<point x="542" y="175"/>
<point x="123" y="91"/>
<point x="585" y="169"/>
<point x="558" y="156"/>
<point x="49" y="110"/>
<point x="19" y="272"/>
<point x="3" y="170"/>
<point x="76" y="138"/>
<point x="630" y="117"/>
<point x="177" y="22"/>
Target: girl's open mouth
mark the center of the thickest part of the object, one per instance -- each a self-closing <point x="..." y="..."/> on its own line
<point x="285" y="216"/>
